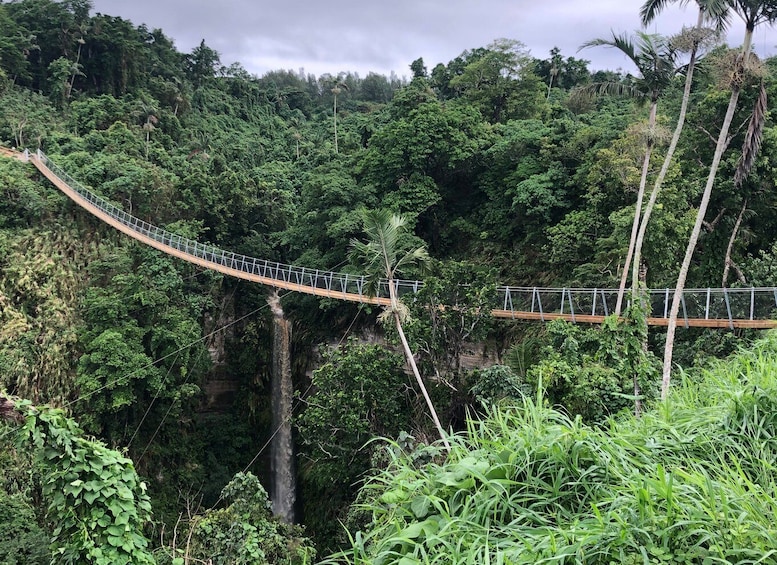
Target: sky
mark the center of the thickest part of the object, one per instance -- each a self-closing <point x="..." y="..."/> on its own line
<point x="387" y="35"/>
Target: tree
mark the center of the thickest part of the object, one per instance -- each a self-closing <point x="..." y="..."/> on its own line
<point x="418" y="68"/>
<point x="243" y="531"/>
<point x="654" y="59"/>
<point x="337" y="87"/>
<point x="562" y="72"/>
<point x="202" y="64"/>
<point x="712" y="11"/>
<point x="499" y="80"/>
<point x="752" y="13"/>
<point x="358" y="394"/>
<point x="381" y="259"/>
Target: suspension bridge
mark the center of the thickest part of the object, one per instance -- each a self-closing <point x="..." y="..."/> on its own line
<point x="706" y="307"/>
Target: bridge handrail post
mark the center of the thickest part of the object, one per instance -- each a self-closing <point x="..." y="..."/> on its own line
<point x="775" y="296"/>
<point x="509" y="301"/>
<point x="752" y="302"/>
<point x="728" y="308"/>
<point x="563" y="292"/>
<point x="539" y="304"/>
<point x="604" y="304"/>
<point x="707" y="307"/>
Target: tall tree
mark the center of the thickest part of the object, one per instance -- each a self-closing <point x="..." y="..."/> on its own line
<point x="382" y="257"/>
<point x="655" y="61"/>
<point x="715" y="12"/>
<point x="752" y="13"/>
<point x="337" y="87"/>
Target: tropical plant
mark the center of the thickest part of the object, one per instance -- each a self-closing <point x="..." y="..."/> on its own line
<point x="359" y="394"/>
<point x="752" y="13"/>
<point x="337" y="87"/>
<point x="655" y="60"/>
<point x="710" y="11"/>
<point x="691" y="481"/>
<point x="382" y="258"/>
<point x="95" y="499"/>
<point x="244" y="531"/>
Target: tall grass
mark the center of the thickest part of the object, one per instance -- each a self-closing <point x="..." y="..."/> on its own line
<point x="692" y="481"/>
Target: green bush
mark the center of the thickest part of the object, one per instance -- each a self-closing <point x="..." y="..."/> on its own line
<point x="691" y="481"/>
<point x="244" y="532"/>
<point x="22" y="541"/>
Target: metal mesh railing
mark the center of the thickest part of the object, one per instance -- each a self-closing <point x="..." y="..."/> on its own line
<point x="700" y="304"/>
<point x="728" y="304"/>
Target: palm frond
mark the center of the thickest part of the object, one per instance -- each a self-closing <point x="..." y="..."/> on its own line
<point x="378" y="256"/>
<point x="651" y="8"/>
<point x="620" y="42"/>
<point x="417" y="257"/>
<point x="753" y="138"/>
<point x="611" y="89"/>
<point x="654" y="58"/>
<point x="717" y="13"/>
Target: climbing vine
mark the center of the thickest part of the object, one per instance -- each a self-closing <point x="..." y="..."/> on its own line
<point x="95" y="500"/>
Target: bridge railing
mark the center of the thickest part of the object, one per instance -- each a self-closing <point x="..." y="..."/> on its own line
<point x="697" y="303"/>
<point x="335" y="282"/>
<point x="708" y="303"/>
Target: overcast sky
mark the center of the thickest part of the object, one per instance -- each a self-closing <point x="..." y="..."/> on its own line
<point x="387" y="35"/>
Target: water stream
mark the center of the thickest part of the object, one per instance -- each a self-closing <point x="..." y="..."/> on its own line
<point x="283" y="491"/>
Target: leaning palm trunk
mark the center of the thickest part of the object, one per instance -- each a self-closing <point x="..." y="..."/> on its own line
<point x="705" y="199"/>
<point x="413" y="366"/>
<point x="678" y="130"/>
<point x="638" y="211"/>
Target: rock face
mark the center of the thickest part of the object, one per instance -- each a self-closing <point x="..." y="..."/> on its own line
<point x="220" y="387"/>
<point x="283" y="492"/>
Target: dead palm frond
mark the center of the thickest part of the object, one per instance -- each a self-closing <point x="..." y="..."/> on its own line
<point x="753" y="137"/>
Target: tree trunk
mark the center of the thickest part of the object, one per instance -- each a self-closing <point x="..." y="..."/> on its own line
<point x="335" y="119"/>
<point x="728" y="262"/>
<point x="705" y="199"/>
<point x="413" y="366"/>
<point x="667" y="162"/>
<point x="637" y="211"/>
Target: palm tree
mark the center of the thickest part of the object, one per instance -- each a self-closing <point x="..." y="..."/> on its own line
<point x="712" y="11"/>
<point x="654" y="59"/>
<point x="337" y="88"/>
<point x="382" y="259"/>
<point x="753" y="13"/>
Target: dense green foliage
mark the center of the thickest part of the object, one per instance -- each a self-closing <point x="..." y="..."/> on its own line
<point x="692" y="481"/>
<point x="503" y="173"/>
<point x="243" y="532"/>
<point x="96" y="504"/>
<point x="359" y="393"/>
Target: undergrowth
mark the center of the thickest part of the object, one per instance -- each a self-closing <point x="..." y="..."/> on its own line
<point x="691" y="481"/>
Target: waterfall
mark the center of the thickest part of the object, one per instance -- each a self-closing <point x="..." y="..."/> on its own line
<point x="282" y="449"/>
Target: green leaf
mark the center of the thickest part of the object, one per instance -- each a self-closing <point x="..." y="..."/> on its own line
<point x="420" y="506"/>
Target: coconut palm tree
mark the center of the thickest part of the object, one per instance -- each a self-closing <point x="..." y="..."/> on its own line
<point x="715" y="12"/>
<point x="752" y="13"/>
<point x="382" y="259"/>
<point x="654" y="59"/>
<point x="337" y="88"/>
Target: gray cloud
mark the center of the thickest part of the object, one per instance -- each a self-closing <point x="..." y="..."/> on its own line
<point x="381" y="36"/>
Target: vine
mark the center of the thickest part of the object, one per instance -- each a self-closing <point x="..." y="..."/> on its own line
<point x="96" y="502"/>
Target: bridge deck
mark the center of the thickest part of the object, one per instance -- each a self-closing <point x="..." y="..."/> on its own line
<point x="721" y="308"/>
